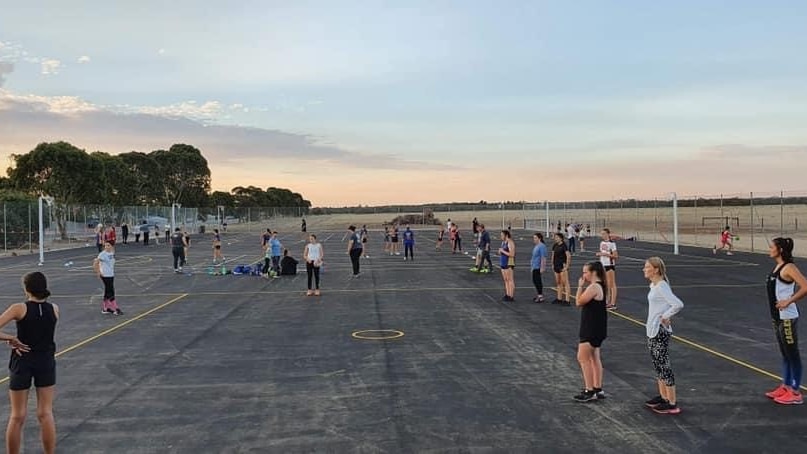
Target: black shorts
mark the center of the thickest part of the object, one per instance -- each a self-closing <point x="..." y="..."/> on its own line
<point x="395" y="239"/>
<point x="595" y="342"/>
<point x="558" y="268"/>
<point x="217" y="247"/>
<point x="610" y="267"/>
<point x="39" y="367"/>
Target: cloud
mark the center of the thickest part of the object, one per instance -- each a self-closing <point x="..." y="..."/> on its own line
<point x="83" y="59"/>
<point x="757" y="152"/>
<point x="50" y="66"/>
<point x="26" y="120"/>
<point x="6" y="68"/>
<point x="160" y="51"/>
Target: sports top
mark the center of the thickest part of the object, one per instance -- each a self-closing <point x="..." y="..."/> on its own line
<point x="778" y="290"/>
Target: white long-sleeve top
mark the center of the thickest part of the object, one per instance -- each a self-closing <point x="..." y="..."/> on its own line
<point x="662" y="304"/>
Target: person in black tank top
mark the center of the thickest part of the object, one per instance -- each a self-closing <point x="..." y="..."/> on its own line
<point x="593" y="329"/>
<point x="33" y="358"/>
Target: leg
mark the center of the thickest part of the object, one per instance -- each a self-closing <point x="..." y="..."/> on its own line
<point x="610" y="277"/>
<point x="596" y="367"/>
<point x="16" y="420"/>
<point x="511" y="280"/>
<point x="584" y="356"/>
<point x="567" y="286"/>
<point x="558" y="287"/>
<point x="44" y="412"/>
<point x="309" y="270"/>
<point x="316" y="277"/>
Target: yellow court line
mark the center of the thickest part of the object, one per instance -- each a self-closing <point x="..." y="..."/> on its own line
<point x="703" y="348"/>
<point x="113" y="329"/>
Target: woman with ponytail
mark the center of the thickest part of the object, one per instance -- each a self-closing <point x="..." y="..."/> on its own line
<point x="662" y="305"/>
<point x="33" y="358"/>
<point x="782" y="297"/>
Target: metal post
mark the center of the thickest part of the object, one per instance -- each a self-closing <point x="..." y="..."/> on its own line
<point x="41" y="233"/>
<point x="548" y="225"/>
<point x="752" y="221"/>
<point x="5" y="229"/>
<point x="30" y="231"/>
<point x="782" y="213"/>
<point x="675" y="223"/>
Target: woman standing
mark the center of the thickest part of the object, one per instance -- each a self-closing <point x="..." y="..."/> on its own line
<point x="662" y="305"/>
<point x="538" y="265"/>
<point x="593" y="330"/>
<point x="561" y="260"/>
<point x="507" y="260"/>
<point x="33" y="358"/>
<point x="313" y="254"/>
<point x="608" y="256"/>
<point x="104" y="265"/>
<point x="782" y="297"/>
<point x="217" y="255"/>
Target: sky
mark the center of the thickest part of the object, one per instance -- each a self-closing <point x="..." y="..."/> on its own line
<point x="420" y="101"/>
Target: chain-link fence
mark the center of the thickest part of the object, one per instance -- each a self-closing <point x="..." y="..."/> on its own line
<point x="754" y="219"/>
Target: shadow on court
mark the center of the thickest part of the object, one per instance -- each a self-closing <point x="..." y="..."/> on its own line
<point x="203" y="363"/>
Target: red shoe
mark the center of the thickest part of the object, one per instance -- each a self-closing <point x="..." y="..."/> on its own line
<point x="778" y="392"/>
<point x="789" y="398"/>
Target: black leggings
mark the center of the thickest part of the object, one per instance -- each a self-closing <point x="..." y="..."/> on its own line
<point x="179" y="256"/>
<point x="485" y="258"/>
<point x="267" y="265"/>
<point x="354" y="260"/>
<point x="409" y="250"/>
<point x="313" y="271"/>
<point x="109" y="288"/>
<point x="537" y="281"/>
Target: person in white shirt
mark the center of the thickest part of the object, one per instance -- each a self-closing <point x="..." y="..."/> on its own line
<point x="572" y="236"/>
<point x="104" y="266"/>
<point x="313" y="255"/>
<point x="608" y="255"/>
<point x="662" y="305"/>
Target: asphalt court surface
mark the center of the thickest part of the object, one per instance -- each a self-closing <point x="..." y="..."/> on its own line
<point x="203" y="363"/>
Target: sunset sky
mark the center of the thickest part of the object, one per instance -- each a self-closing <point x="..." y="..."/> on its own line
<point x="356" y="102"/>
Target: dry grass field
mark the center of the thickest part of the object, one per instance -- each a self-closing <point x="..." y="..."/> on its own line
<point x="696" y="226"/>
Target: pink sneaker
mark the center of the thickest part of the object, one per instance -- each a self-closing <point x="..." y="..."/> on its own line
<point x="779" y="391"/>
<point x="790" y="397"/>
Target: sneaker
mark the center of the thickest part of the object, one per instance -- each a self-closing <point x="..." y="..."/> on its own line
<point x="176" y="270"/>
<point x="666" y="408"/>
<point x="729" y="253"/>
<point x="309" y="293"/>
<point x="107" y="311"/>
<point x="118" y="312"/>
<point x="789" y="397"/>
<point x="778" y="392"/>
<point x="316" y="293"/>
<point x="505" y="298"/>
<point x="658" y="400"/>
<point x="555" y="301"/>
<point x="714" y="251"/>
<point x="599" y="393"/>
<point x="485" y="270"/>
<point x="404" y="259"/>
<point x="585" y="396"/>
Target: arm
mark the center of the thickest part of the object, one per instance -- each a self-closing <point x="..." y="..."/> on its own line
<point x="675" y="303"/>
<point x="792" y="273"/>
<point x="15" y="312"/>
<point x="512" y="247"/>
<point x="305" y="253"/>
<point x="568" y="259"/>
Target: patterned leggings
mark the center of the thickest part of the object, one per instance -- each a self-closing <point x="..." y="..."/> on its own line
<point x="659" y="351"/>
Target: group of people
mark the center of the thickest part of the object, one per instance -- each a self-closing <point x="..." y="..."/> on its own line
<point x="33" y="348"/>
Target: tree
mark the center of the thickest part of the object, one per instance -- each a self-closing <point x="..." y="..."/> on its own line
<point x="60" y="170"/>
<point x="143" y="178"/>
<point x="185" y="175"/>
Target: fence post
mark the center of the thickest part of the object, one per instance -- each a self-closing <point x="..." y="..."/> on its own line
<point x="752" y="221"/>
<point x="782" y="213"/>
<point x="675" y="223"/>
<point x="5" y="229"/>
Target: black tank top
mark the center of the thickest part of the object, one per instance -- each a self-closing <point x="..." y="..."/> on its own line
<point x="36" y="329"/>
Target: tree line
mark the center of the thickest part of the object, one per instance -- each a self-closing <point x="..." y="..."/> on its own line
<point x="179" y="174"/>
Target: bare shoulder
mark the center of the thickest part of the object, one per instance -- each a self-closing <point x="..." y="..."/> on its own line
<point x="55" y="308"/>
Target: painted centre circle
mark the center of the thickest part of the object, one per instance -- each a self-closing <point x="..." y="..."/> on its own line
<point x="377" y="334"/>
